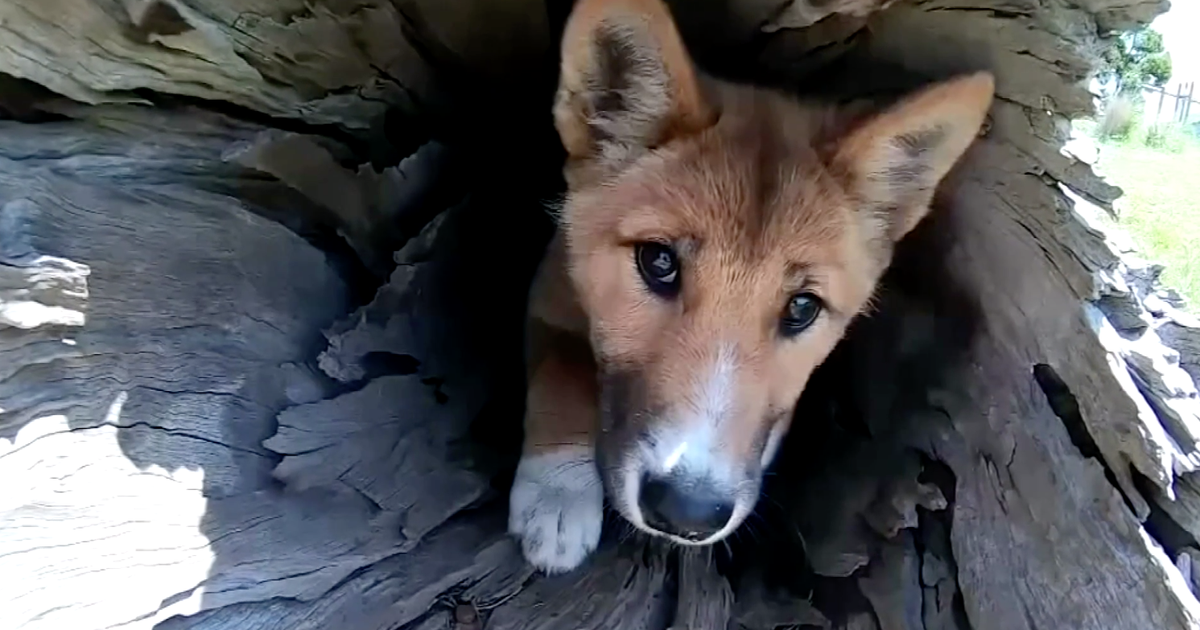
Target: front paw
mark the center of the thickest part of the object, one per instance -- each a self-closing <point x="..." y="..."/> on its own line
<point x="556" y="508"/>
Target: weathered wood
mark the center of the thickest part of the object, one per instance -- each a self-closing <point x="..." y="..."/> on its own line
<point x="759" y="607"/>
<point x="615" y="592"/>
<point x="139" y="411"/>
<point x="1182" y="333"/>
<point x="333" y="62"/>
<point x="892" y="586"/>
<point x="373" y="209"/>
<point x="211" y="432"/>
<point x="161" y="327"/>
<point x="705" y="598"/>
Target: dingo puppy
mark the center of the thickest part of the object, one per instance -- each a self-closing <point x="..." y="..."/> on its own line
<point x="715" y="241"/>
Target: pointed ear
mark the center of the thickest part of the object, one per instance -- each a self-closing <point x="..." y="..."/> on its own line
<point x="627" y="82"/>
<point x="895" y="159"/>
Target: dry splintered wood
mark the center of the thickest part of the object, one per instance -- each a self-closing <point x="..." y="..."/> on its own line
<point x="330" y="62"/>
<point x="136" y="401"/>
<point x="209" y="434"/>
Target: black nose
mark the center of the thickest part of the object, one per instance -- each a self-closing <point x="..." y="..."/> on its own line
<point x="683" y="507"/>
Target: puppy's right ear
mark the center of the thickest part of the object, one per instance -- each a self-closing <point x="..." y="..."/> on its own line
<point x="627" y="82"/>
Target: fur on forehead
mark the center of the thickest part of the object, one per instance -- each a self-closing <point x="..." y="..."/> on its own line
<point x="629" y="98"/>
<point x="761" y="168"/>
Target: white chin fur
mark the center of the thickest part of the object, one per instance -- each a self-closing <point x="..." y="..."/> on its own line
<point x="556" y="508"/>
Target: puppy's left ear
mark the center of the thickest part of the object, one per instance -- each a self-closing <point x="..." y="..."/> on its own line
<point x="895" y="159"/>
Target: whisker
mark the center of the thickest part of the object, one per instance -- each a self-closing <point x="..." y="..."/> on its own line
<point x="749" y="525"/>
<point x="629" y="532"/>
<point x="763" y="495"/>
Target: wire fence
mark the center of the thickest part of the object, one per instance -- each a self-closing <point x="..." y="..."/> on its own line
<point x="1161" y="106"/>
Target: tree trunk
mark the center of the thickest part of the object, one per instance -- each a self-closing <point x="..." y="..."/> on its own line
<point x="262" y="267"/>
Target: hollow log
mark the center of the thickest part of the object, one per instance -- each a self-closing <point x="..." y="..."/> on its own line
<point x="262" y="272"/>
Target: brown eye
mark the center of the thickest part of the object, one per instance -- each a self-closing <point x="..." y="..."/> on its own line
<point x="801" y="311"/>
<point x="659" y="266"/>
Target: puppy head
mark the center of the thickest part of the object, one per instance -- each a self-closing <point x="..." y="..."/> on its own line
<point x="720" y="239"/>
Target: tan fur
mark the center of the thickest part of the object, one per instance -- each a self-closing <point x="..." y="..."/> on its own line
<point x="761" y="196"/>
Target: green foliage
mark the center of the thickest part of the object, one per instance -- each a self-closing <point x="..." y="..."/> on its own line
<point x="1161" y="206"/>
<point x="1168" y="137"/>
<point x="1157" y="69"/>
<point x="1122" y="123"/>
<point x="1136" y="59"/>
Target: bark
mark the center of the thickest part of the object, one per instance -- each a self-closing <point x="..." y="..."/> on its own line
<point x="262" y="268"/>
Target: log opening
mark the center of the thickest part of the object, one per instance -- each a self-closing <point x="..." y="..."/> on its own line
<point x="260" y="341"/>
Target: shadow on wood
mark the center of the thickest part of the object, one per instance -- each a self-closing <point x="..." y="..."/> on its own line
<point x="260" y="353"/>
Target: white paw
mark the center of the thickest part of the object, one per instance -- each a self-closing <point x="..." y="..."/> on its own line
<point x="556" y="508"/>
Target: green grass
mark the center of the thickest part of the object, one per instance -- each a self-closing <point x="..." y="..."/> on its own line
<point x="1161" y="206"/>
